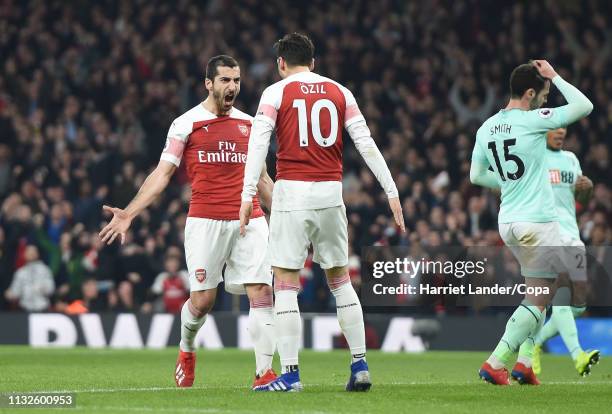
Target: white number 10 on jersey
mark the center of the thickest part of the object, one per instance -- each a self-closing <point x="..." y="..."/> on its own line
<point x="315" y="114"/>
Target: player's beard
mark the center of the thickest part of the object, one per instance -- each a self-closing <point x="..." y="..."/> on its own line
<point x="224" y="105"/>
<point x="536" y="103"/>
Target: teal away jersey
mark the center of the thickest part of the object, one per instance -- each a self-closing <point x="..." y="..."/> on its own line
<point x="513" y="143"/>
<point x="563" y="171"/>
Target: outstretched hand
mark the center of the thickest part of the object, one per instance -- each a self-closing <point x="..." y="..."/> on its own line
<point x="118" y="226"/>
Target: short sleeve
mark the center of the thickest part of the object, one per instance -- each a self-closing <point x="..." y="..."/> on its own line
<point x="178" y="134"/>
<point x="545" y="119"/>
<point x="269" y="104"/>
<point x="577" y="165"/>
<point x="158" y="285"/>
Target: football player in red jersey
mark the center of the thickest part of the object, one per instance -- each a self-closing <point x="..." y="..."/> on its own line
<point x="309" y="112"/>
<point x="212" y="139"/>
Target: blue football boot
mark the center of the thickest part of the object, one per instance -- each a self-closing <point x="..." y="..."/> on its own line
<point x="287" y="382"/>
<point x="360" y="377"/>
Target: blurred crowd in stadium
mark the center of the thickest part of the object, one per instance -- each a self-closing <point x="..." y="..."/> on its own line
<point x="89" y="89"/>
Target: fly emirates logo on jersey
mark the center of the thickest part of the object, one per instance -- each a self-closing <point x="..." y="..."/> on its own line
<point x="226" y="153"/>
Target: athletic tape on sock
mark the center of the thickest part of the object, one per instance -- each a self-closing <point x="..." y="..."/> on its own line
<point x="335" y="282"/>
<point x="261" y="302"/>
<point x="283" y="285"/>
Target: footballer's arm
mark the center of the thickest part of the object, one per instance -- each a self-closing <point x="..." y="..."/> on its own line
<point x="361" y="136"/>
<point x="152" y="187"/>
<point x="481" y="175"/>
<point x="259" y="142"/>
<point x="265" y="186"/>
<point x="578" y="105"/>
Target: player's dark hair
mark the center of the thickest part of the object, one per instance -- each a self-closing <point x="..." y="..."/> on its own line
<point x="296" y="48"/>
<point x="216" y="61"/>
<point x="525" y="77"/>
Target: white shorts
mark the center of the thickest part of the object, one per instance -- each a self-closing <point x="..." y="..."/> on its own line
<point x="212" y="244"/>
<point x="292" y="232"/>
<point x="574" y="258"/>
<point x="535" y="246"/>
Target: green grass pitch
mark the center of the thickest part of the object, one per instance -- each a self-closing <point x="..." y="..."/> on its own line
<point x="141" y="381"/>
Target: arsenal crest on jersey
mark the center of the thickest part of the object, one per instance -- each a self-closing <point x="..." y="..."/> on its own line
<point x="200" y="275"/>
<point x="244" y="130"/>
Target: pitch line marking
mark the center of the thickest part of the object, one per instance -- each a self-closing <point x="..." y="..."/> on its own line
<point x="246" y="387"/>
<point x="180" y="410"/>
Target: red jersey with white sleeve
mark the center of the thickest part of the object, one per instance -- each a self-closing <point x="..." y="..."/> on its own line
<point x="309" y="112"/>
<point x="215" y="151"/>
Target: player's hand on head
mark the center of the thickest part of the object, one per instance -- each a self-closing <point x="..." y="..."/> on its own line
<point x="398" y="214"/>
<point x="246" y="208"/>
<point x="545" y="69"/>
<point x="118" y="226"/>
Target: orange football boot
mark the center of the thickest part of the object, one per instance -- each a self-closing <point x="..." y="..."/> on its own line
<point x="524" y="375"/>
<point x="494" y="376"/>
<point x="185" y="369"/>
<point x="265" y="379"/>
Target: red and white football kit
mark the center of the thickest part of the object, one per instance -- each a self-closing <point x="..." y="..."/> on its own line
<point x="173" y="288"/>
<point x="214" y="149"/>
<point x="309" y="112"/>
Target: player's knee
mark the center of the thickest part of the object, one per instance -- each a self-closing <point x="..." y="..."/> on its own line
<point x="335" y="272"/>
<point x="579" y="293"/>
<point x="563" y="280"/>
<point x="286" y="279"/>
<point x="203" y="301"/>
<point x="337" y="282"/>
<point x="537" y="300"/>
<point x="258" y="291"/>
<point x="285" y="274"/>
<point x="260" y="296"/>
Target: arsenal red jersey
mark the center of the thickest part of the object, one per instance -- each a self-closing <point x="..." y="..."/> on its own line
<point x="175" y="293"/>
<point x="309" y="113"/>
<point x="215" y="150"/>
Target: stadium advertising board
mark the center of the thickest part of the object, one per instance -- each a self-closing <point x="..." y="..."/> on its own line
<point x="222" y="330"/>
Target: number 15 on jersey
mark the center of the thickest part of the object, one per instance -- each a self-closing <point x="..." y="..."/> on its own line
<point x="508" y="157"/>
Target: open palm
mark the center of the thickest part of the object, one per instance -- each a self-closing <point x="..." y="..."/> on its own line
<point x="118" y="226"/>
